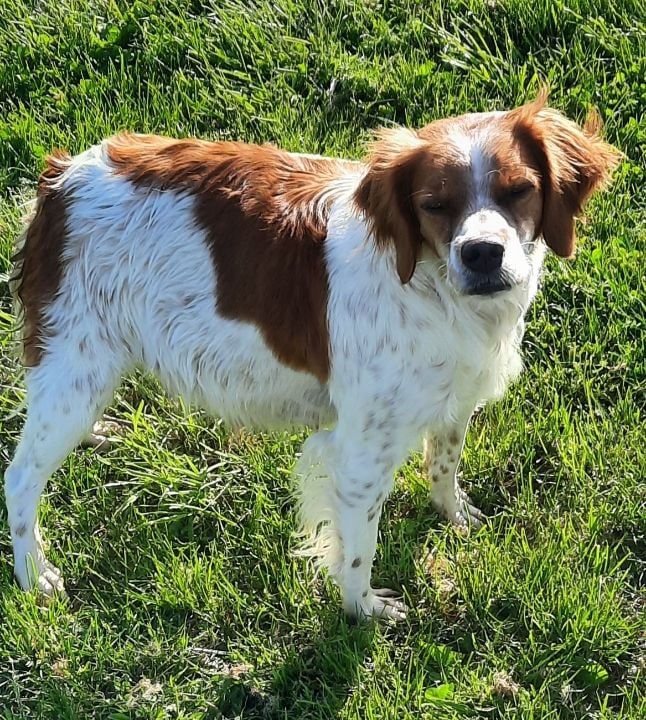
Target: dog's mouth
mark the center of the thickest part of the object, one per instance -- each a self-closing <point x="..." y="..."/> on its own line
<point x="489" y="285"/>
<point x="468" y="282"/>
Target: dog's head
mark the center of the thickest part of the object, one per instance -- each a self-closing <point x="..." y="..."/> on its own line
<point x="477" y="191"/>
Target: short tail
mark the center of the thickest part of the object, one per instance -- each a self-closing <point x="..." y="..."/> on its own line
<point x="36" y="259"/>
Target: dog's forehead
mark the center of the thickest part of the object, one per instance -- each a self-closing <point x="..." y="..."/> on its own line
<point x="476" y="142"/>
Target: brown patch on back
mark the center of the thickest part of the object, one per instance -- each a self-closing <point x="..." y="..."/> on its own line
<point x="38" y="263"/>
<point x="265" y="212"/>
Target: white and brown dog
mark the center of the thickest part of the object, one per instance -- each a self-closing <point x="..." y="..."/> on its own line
<point x="382" y="300"/>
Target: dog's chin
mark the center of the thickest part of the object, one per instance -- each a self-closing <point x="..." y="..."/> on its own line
<point x="488" y="286"/>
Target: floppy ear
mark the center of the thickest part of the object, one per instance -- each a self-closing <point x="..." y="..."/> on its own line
<point x="575" y="163"/>
<point x="385" y="196"/>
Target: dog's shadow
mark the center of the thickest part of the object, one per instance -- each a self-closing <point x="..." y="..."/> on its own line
<point x="320" y="662"/>
<point x="320" y="658"/>
<point x="314" y="679"/>
<point x="318" y="667"/>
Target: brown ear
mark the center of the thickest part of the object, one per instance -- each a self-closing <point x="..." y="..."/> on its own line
<point x="385" y="196"/>
<point x="575" y="163"/>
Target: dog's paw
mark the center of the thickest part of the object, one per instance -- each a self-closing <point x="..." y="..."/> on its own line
<point x="460" y="511"/>
<point x="102" y="436"/>
<point x="466" y="515"/>
<point x="383" y="604"/>
<point x="41" y="576"/>
<point x="50" y="582"/>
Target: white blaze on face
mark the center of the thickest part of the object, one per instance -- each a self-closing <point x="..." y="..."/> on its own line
<point x="483" y="218"/>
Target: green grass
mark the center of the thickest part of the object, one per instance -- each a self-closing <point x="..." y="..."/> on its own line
<point x="184" y="600"/>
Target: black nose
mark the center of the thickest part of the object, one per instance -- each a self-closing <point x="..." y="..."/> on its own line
<point x="482" y="256"/>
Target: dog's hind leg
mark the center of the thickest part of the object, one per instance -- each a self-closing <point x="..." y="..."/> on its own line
<point x="64" y="398"/>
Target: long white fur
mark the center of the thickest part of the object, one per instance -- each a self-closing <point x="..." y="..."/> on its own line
<point x="408" y="362"/>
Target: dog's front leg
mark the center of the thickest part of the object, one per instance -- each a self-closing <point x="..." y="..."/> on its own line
<point x="442" y="450"/>
<point x="345" y="477"/>
<point x="364" y="464"/>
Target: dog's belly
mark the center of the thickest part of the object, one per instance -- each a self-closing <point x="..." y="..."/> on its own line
<point x="228" y="370"/>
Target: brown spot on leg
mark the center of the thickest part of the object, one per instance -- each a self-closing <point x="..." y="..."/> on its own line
<point x="364" y="594"/>
<point x="356" y="562"/>
<point x="453" y="438"/>
<point x="21" y="530"/>
<point x="443" y="469"/>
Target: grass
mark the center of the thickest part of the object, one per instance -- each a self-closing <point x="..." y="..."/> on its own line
<point x="175" y="545"/>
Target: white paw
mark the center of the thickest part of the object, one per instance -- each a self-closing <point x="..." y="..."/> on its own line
<point x="102" y="436"/>
<point x="466" y="516"/>
<point x="461" y="512"/>
<point x="381" y="604"/>
<point x="50" y="581"/>
<point x="41" y="575"/>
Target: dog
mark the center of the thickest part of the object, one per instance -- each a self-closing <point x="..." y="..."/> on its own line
<point x="378" y="302"/>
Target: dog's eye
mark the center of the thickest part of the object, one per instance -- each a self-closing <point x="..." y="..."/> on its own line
<point x="433" y="206"/>
<point x="517" y="192"/>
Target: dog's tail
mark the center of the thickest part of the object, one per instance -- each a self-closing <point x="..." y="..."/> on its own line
<point x="35" y="260"/>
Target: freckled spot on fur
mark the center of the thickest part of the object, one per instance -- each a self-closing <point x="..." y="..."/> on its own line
<point x="82" y="346"/>
<point x="21" y="530"/>
<point x="380" y="496"/>
<point x="364" y="594"/>
<point x="434" y="478"/>
<point x="368" y="485"/>
<point x="383" y="461"/>
<point x="340" y="496"/>
<point x="45" y="427"/>
<point x="383" y="425"/>
<point x="355" y="495"/>
<point x="444" y="470"/>
<point x="356" y="562"/>
<point x="371" y="516"/>
<point x="453" y="438"/>
<point x="370" y="422"/>
<point x="452" y="458"/>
